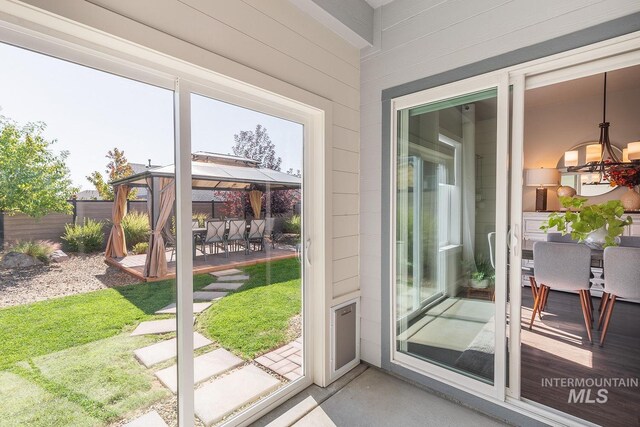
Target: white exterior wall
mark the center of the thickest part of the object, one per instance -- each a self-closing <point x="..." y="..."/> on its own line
<point x="419" y="38"/>
<point x="280" y="41"/>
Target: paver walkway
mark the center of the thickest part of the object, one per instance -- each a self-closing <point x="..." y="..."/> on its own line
<point x="150" y="419"/>
<point x="286" y="360"/>
<point x="204" y="367"/>
<point x="225" y="395"/>
<point x="156" y="327"/>
<point x="229" y="272"/>
<point x="198" y="307"/>
<point x="208" y="295"/>
<point x="165" y="350"/>
<point x="222" y="286"/>
<point x="229" y="388"/>
<point x="233" y="278"/>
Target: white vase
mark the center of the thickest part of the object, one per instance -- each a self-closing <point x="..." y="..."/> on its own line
<point x="597" y="239"/>
<point x="479" y="284"/>
<point x="630" y="200"/>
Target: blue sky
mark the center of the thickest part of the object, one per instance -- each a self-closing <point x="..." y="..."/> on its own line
<point x="90" y="112"/>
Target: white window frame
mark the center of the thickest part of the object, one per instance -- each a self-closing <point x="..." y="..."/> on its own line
<point x="61" y="38"/>
<point x="498" y="81"/>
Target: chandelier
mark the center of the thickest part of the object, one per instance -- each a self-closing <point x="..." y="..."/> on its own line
<point x="600" y="157"/>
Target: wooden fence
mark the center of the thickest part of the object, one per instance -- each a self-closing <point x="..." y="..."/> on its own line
<point x="51" y="227"/>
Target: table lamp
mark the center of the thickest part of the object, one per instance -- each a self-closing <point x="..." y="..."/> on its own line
<point x="542" y="178"/>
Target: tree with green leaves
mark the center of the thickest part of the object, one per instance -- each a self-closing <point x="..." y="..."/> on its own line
<point x="118" y="167"/>
<point x="257" y="146"/>
<point x="33" y="179"/>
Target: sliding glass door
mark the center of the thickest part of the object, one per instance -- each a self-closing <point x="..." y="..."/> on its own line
<point x="448" y="204"/>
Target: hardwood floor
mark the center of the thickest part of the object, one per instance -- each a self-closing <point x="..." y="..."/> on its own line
<point x="557" y="348"/>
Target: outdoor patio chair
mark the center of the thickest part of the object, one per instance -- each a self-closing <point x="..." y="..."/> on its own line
<point x="236" y="235"/>
<point x="256" y="233"/>
<point x="214" y="237"/>
<point x="269" y="230"/>
<point x="169" y="241"/>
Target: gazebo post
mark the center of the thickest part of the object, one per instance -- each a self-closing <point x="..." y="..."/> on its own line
<point x="155" y="200"/>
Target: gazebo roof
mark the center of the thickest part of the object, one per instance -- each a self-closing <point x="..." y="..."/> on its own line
<point x="219" y="172"/>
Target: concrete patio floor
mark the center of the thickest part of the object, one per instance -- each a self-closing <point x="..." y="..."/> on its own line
<point x="369" y="397"/>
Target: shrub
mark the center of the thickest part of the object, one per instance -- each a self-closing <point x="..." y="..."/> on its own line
<point x="136" y="228"/>
<point x="140" y="248"/>
<point x="40" y="249"/>
<point x="88" y="237"/>
<point x="292" y="225"/>
<point x="201" y="217"/>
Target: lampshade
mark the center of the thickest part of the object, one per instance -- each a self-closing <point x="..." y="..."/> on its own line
<point x="571" y="158"/>
<point x="625" y="155"/>
<point x="634" y="150"/>
<point x="594" y="153"/>
<point x="542" y="177"/>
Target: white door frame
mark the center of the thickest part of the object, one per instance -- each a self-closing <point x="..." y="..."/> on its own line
<point x="58" y="37"/>
<point x="597" y="58"/>
<point x="499" y="81"/>
<point x="594" y="59"/>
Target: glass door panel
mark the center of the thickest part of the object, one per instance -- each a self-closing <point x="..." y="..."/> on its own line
<point x="247" y="172"/>
<point x="445" y="221"/>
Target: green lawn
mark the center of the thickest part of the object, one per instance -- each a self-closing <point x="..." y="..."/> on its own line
<point x="254" y="319"/>
<point x="48" y="326"/>
<point x="69" y="361"/>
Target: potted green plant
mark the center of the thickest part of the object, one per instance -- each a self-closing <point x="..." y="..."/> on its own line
<point x="598" y="226"/>
<point x="481" y="275"/>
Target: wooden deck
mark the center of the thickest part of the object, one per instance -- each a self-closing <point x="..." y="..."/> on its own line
<point x="558" y="347"/>
<point x="134" y="264"/>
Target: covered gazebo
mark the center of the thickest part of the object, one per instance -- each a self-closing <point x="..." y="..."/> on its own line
<point x="209" y="171"/>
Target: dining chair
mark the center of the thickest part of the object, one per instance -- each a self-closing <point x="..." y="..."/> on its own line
<point x="169" y="241"/>
<point x="269" y="230"/>
<point x="557" y="238"/>
<point x="562" y="267"/>
<point x="621" y="280"/>
<point x="630" y="241"/>
<point x="214" y="237"/>
<point x="256" y="233"/>
<point x="236" y="234"/>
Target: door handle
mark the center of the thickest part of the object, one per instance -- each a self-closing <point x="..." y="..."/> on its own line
<point x="515" y="239"/>
<point x="307" y="250"/>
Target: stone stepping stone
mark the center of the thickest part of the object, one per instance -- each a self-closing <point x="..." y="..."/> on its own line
<point x="165" y="350"/>
<point x="204" y="367"/>
<point x="226" y="272"/>
<point x="223" y="286"/>
<point x="198" y="307"/>
<point x="150" y="419"/>
<point x="236" y="278"/>
<point x="155" y="327"/>
<point x="208" y="295"/>
<point x="223" y="396"/>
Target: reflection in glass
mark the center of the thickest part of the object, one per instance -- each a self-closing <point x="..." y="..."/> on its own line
<point x="445" y="215"/>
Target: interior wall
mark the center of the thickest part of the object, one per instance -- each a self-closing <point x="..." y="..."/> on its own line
<point x="419" y="38"/>
<point x="285" y="45"/>
<point x="552" y="128"/>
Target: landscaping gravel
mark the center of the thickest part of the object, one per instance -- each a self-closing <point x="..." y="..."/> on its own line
<point x="81" y="273"/>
